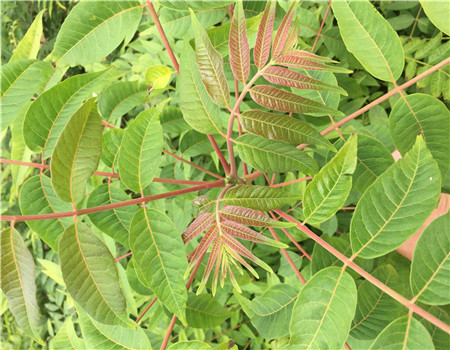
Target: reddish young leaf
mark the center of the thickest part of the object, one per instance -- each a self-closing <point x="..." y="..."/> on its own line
<point x="197" y="226"/>
<point x="238" y="44"/>
<point x="286" y="77"/>
<point x="264" y="37"/>
<point x="303" y="63"/>
<point x="216" y="272"/>
<point x="283" y="30"/>
<point x="292" y="36"/>
<point x="206" y="241"/>
<point x="308" y="55"/>
<point x="239" y="231"/>
<point x="250" y="217"/>
<point x="283" y="101"/>
<point x="209" y="266"/>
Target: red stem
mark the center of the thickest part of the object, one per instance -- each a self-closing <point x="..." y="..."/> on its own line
<point x="146" y="309"/>
<point x="400" y="298"/>
<point x="321" y="26"/>
<point x="223" y="161"/>
<point x="192" y="164"/>
<point x="122" y="257"/>
<point x="214" y="184"/>
<point x="292" y="182"/>
<point x="163" y="35"/>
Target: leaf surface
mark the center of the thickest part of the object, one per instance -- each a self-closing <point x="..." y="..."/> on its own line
<point x="158" y="76"/>
<point x="437" y="12"/>
<point x="111" y="142"/>
<point x="67" y="338"/>
<point x="203" y="311"/>
<point x="264" y="37"/>
<point x="250" y="217"/>
<point x="238" y="44"/>
<point x="28" y="47"/>
<point x="295" y="59"/>
<point x="283" y="30"/>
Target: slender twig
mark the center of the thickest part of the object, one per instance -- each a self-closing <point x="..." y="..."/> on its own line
<point x="292" y="182"/>
<point x="223" y="161"/>
<point x="192" y="164"/>
<point x="400" y="298"/>
<point x="122" y="257"/>
<point x="321" y="26"/>
<point x="146" y="309"/>
<point x="415" y="23"/>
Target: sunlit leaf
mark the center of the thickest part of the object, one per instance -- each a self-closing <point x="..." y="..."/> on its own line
<point x="158" y="76"/>
<point x="28" y="47"/>
<point x="437" y="11"/>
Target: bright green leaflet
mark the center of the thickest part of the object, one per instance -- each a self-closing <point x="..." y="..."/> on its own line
<point x="323" y="311"/>
<point x="158" y="76"/>
<point x="369" y="37"/>
<point x="258" y="197"/>
<point x="120" y="98"/>
<point x="271" y="312"/>
<point x="404" y="333"/>
<point x="17" y="282"/>
<point x="395" y="206"/>
<point x="30" y="43"/>
<point x="430" y="281"/>
<point x="140" y="152"/>
<point x="50" y="112"/>
<point x="281" y="127"/>
<point x="329" y="189"/>
<point x="66" y="338"/>
<point x="159" y="253"/>
<point x="437" y="12"/>
<point x="426" y="115"/>
<point x="115" y="222"/>
<point x="203" y="311"/>
<point x="19" y="82"/>
<point x="273" y="156"/>
<point x="38" y="197"/>
<point x="92" y="30"/>
<point x="100" y="336"/>
<point x="77" y="153"/>
<point x="90" y="275"/>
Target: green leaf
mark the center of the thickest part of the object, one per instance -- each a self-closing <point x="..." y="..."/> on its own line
<point x="91" y="276"/>
<point x="136" y="280"/>
<point x="271" y="312"/>
<point x="238" y="44"/>
<point x="370" y="37"/>
<point x="324" y="310"/>
<point x="28" y="47"/>
<point x="191" y="344"/>
<point x="426" y="115"/>
<point x="77" y="153"/>
<point x="440" y="337"/>
<point x="273" y="156"/>
<point x="120" y="98"/>
<point x="258" y="197"/>
<point x="172" y="120"/>
<point x="50" y="112"/>
<point x="37" y="197"/>
<point x="19" y="82"/>
<point x="140" y="152"/>
<point x="115" y="222"/>
<point x="199" y="111"/>
<point x="397" y="202"/>
<point x="283" y="101"/>
<point x="111" y="141"/>
<point x="92" y="30"/>
<point x="67" y="338"/>
<point x="197" y="5"/>
<point x="329" y="189"/>
<point x="250" y="217"/>
<point x="203" y="311"/>
<point x="431" y="263"/>
<point x="159" y="253"/>
<point x="437" y="12"/>
<point x="17" y="282"/>
<point x="210" y="65"/>
<point x="404" y="333"/>
<point x="100" y="336"/>
<point x="322" y="258"/>
<point x="281" y="127"/>
<point x="158" y="76"/>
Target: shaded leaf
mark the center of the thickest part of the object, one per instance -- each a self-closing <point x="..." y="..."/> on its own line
<point x="264" y="37"/>
<point x="238" y="44"/>
<point x="111" y="141"/>
<point x="203" y="311"/>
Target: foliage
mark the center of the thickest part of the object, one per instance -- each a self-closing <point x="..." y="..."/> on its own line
<point x="220" y="174"/>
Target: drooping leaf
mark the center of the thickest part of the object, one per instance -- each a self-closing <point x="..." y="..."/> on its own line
<point x="370" y="37"/>
<point x="67" y="338"/>
<point x="264" y="37"/>
<point x="431" y="263"/>
<point x="28" y="47"/>
<point x="426" y="115"/>
<point x="115" y="222"/>
<point x="111" y="141"/>
<point x="199" y="111"/>
<point x="37" y="197"/>
<point x="100" y="336"/>
<point x="203" y="311"/>
<point x="283" y="30"/>
<point x="158" y="76"/>
<point x="258" y="197"/>
<point x="119" y="98"/>
<point x="17" y="282"/>
<point x="140" y="152"/>
<point x="159" y="253"/>
<point x="90" y="275"/>
<point x="283" y="101"/>
<point x="250" y="217"/>
<point x="329" y="189"/>
<point x="77" y="153"/>
<point x="50" y="112"/>
<point x="437" y="12"/>
<point x="281" y="127"/>
<point x="286" y="77"/>
<point x="92" y="30"/>
<point x="271" y="312"/>
<point x="238" y="44"/>
<point x="397" y="202"/>
<point x="210" y="65"/>
<point x="404" y="333"/>
<point x="19" y="82"/>
<point x="296" y="59"/>
<point x="323" y="312"/>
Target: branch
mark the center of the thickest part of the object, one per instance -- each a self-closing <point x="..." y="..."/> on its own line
<point x="292" y="182"/>
<point x="193" y="165"/>
<point x="321" y="26"/>
<point x="219" y="153"/>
